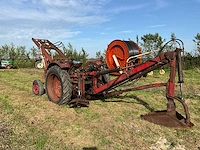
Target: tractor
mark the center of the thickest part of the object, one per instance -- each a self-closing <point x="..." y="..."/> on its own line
<point x="39" y="62"/>
<point x="75" y="84"/>
<point x="7" y="64"/>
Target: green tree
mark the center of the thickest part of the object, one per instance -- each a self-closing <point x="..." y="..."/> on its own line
<point x="137" y="39"/>
<point x="197" y="41"/>
<point x="19" y="56"/>
<point x="172" y="44"/>
<point x="21" y="53"/>
<point x="34" y="52"/>
<point x="68" y="51"/>
<point x="173" y="36"/>
<point x="7" y="51"/>
<point x="83" y="55"/>
<point x="72" y="53"/>
<point x="4" y="52"/>
<point x="151" y="42"/>
<point x="100" y="55"/>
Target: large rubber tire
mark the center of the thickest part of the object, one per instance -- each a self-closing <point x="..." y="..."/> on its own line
<point x="38" y="88"/>
<point x="58" y="85"/>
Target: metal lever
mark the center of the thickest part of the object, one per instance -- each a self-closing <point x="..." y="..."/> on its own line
<point x="180" y="72"/>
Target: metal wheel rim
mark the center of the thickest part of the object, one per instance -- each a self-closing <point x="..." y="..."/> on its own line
<point x="40" y="65"/>
<point x="35" y="88"/>
<point x="54" y="88"/>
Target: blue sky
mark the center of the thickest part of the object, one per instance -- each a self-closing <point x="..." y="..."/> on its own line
<point x="93" y="24"/>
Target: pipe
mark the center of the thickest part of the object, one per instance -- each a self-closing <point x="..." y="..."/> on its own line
<point x="116" y="63"/>
<point x="180" y="72"/>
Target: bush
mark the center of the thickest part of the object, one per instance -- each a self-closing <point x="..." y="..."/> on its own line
<point x="28" y="63"/>
<point x="190" y="62"/>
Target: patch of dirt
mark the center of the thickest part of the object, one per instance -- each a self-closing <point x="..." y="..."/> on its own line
<point x="163" y="144"/>
<point x="5" y="135"/>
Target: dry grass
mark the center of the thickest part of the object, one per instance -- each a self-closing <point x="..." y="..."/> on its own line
<point x="31" y="122"/>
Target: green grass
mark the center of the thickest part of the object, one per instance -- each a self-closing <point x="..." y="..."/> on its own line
<point x="33" y="122"/>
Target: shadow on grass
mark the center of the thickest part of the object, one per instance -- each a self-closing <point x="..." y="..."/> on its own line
<point x="138" y="101"/>
<point x="89" y="148"/>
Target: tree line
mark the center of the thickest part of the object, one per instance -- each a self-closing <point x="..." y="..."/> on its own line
<point x="23" y="58"/>
<point x="151" y="42"/>
<point x="26" y="58"/>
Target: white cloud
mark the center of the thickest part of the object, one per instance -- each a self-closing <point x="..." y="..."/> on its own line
<point x="55" y="2"/>
<point x="55" y="19"/>
<point x="126" y="8"/>
<point x="157" y="25"/>
<point x="24" y="19"/>
<point x="161" y="4"/>
<point x="16" y="34"/>
<point x="103" y="33"/>
<point x="70" y="11"/>
<point x="127" y="31"/>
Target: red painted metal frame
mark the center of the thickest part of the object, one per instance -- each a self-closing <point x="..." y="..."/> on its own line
<point x="131" y="73"/>
<point x="93" y="78"/>
<point x="139" y="71"/>
<point x="45" y="45"/>
<point x="135" y="89"/>
<point x="168" y="57"/>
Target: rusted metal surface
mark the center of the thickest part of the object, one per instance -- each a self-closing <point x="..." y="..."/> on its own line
<point x="168" y="119"/>
<point x="171" y="118"/>
<point x="135" y="89"/>
<point x="54" y="87"/>
<point x="46" y="47"/>
<point x="90" y="81"/>
<point x="138" y="71"/>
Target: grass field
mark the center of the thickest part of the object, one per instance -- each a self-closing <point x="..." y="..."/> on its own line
<point x="33" y="122"/>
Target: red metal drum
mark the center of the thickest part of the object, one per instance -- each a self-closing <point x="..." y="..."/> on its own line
<point x="122" y="50"/>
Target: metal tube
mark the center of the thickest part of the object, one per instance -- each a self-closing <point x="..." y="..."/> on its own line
<point x="180" y="72"/>
<point x="116" y="63"/>
<point x="180" y="69"/>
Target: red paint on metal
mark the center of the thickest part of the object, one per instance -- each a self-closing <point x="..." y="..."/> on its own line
<point x="135" y="89"/>
<point x="121" y="50"/>
<point x="88" y="81"/>
<point x="171" y="84"/>
<point x="57" y="87"/>
<point x="45" y="47"/>
<point x="134" y="71"/>
<point x="35" y="89"/>
<point x="54" y="87"/>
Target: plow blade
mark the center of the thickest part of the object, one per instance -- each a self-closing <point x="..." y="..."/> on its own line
<point x="168" y="119"/>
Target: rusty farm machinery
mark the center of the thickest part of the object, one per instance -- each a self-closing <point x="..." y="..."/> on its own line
<point x="73" y="83"/>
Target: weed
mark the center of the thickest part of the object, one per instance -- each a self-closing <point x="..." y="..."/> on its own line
<point x="35" y="123"/>
<point x="40" y="142"/>
<point x="119" y="119"/>
<point x="105" y="141"/>
<point x="8" y="107"/>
